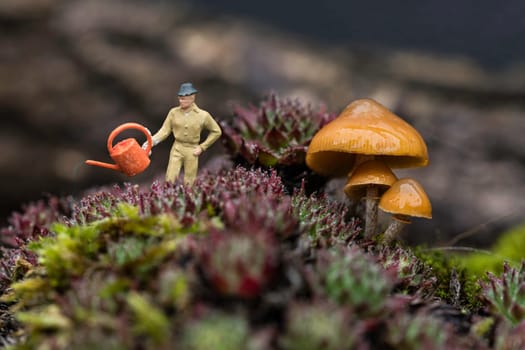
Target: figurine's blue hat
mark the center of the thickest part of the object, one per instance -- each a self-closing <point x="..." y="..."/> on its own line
<point x="187" y="89"/>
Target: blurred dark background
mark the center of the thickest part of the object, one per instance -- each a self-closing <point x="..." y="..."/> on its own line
<point x="486" y="31"/>
<point x="71" y="71"/>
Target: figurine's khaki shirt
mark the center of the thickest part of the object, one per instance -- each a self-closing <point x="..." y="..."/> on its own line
<point x="187" y="126"/>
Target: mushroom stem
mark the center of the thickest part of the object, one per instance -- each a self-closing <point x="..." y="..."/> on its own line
<point x="372" y="199"/>
<point x="397" y="224"/>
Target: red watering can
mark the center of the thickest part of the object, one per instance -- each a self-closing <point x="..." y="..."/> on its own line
<point x="129" y="157"/>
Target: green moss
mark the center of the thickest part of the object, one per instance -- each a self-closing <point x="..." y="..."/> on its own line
<point x="120" y="240"/>
<point x="27" y="292"/>
<point x="46" y="318"/>
<point x="508" y="247"/>
<point x="511" y="244"/>
<point x="98" y="268"/>
<point x="442" y="266"/>
<point x="67" y="253"/>
<point x="480" y="263"/>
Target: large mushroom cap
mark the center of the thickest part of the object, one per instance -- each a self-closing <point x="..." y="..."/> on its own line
<point x="365" y="127"/>
<point x="406" y="197"/>
<point x="371" y="172"/>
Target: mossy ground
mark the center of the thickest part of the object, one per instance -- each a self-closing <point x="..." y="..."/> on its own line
<point x="236" y="262"/>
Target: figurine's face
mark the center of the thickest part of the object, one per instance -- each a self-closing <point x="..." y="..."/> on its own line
<point x="186" y="101"/>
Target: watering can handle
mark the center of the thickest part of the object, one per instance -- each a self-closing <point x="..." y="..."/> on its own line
<point x="127" y="126"/>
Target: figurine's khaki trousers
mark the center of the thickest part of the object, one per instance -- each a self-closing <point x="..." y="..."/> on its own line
<point x="181" y="155"/>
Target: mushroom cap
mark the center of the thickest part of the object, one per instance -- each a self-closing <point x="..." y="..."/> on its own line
<point x="371" y="172"/>
<point x="406" y="197"/>
<point x="365" y="127"/>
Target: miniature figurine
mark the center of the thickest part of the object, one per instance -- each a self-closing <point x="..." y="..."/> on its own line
<point x="186" y="123"/>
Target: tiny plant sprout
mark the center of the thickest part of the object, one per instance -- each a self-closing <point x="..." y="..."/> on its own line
<point x="365" y="130"/>
<point x="404" y="199"/>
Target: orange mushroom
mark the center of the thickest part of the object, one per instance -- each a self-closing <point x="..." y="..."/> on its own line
<point x="370" y="180"/>
<point x="404" y="199"/>
<point x="365" y="130"/>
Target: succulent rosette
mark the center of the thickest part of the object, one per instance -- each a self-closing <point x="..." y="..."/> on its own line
<point x="411" y="275"/>
<point x="239" y="265"/>
<point x="275" y="134"/>
<point x="506" y="295"/>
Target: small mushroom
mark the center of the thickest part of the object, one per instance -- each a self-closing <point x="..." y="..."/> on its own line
<point x="365" y="130"/>
<point x="404" y="199"/>
<point x="370" y="180"/>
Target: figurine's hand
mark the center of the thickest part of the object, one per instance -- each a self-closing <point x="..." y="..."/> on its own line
<point x="197" y="151"/>
<point x="145" y="147"/>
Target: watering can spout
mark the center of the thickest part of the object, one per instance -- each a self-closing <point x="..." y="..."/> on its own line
<point x="103" y="165"/>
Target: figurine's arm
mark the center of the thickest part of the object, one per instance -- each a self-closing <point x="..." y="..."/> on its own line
<point x="214" y="132"/>
<point x="163" y="132"/>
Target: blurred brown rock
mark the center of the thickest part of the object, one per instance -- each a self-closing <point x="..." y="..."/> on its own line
<point x="73" y="70"/>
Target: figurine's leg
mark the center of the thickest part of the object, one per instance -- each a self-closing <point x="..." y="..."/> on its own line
<point x="191" y="166"/>
<point x="174" y="165"/>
